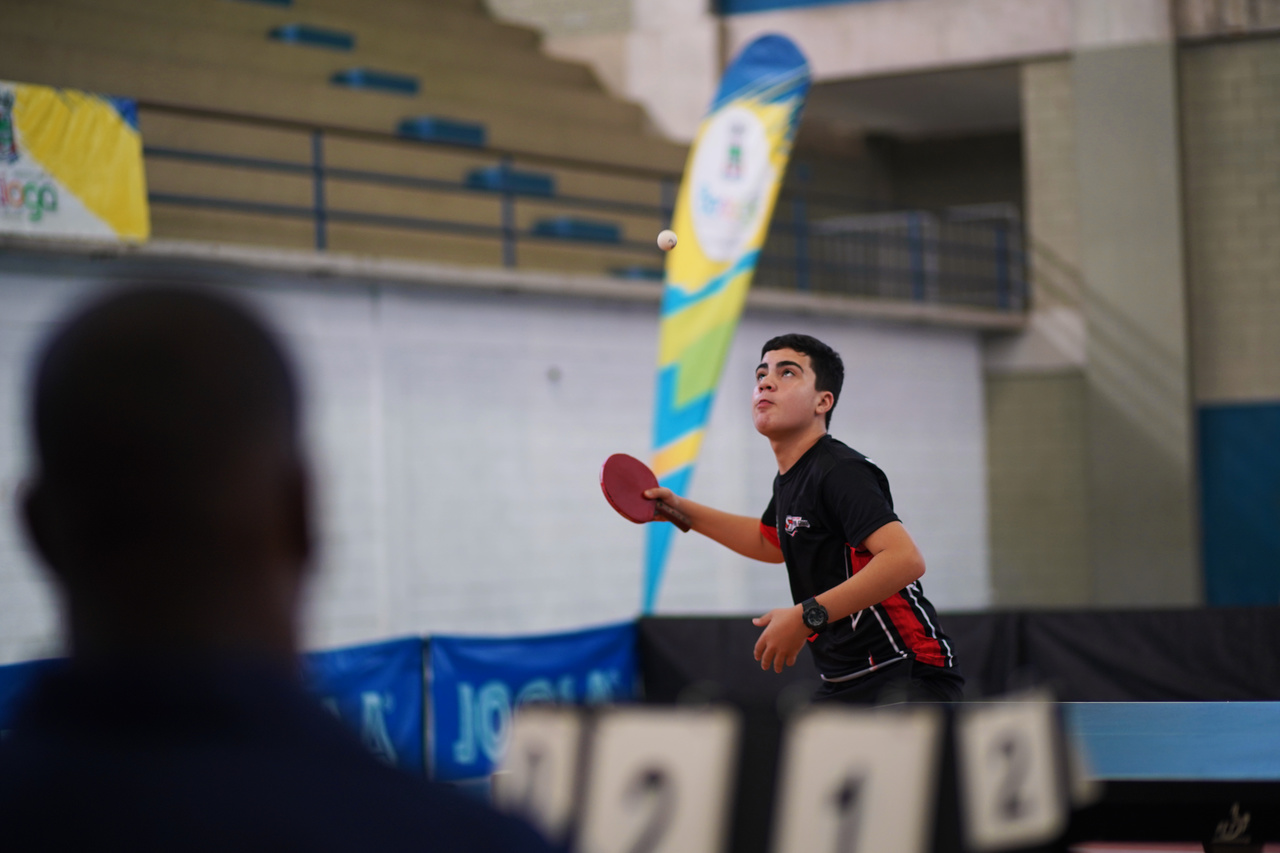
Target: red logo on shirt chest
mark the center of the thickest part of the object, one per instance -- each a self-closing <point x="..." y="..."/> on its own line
<point x="794" y="523"/>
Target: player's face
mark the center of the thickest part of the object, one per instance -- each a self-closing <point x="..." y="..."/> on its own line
<point x="785" y="399"/>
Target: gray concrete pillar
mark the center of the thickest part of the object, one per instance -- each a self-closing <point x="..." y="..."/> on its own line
<point x="1144" y="543"/>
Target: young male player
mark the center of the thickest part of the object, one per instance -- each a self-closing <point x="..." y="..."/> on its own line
<point x="854" y="569"/>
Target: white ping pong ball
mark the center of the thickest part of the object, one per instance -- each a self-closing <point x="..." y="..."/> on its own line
<point x="667" y="241"/>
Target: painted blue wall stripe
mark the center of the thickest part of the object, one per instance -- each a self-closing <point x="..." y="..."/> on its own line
<point x="1240" y="502"/>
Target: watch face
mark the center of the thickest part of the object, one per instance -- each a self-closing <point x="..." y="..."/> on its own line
<point x="813" y="618"/>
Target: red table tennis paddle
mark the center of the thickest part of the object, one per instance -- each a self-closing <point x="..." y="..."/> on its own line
<point x="624" y="479"/>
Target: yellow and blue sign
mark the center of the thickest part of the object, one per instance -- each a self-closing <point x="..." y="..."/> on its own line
<point x="70" y="165"/>
<point x="722" y="215"/>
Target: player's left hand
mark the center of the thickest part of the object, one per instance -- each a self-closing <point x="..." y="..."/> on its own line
<point x="782" y="638"/>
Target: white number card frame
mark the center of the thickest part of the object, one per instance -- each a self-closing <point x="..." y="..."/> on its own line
<point x="660" y="781"/>
<point x="1013" y="783"/>
<point x="859" y="781"/>
<point x="538" y="779"/>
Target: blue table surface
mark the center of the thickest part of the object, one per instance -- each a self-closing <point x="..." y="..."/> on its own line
<point x="1177" y="741"/>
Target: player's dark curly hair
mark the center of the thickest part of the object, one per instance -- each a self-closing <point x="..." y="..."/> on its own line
<point x="828" y="368"/>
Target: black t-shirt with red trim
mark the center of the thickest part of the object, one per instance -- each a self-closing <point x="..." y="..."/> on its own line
<point x="822" y="510"/>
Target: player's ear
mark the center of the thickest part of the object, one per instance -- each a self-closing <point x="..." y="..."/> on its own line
<point x="826" y="402"/>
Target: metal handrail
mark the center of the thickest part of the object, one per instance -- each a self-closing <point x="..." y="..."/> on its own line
<point x="382" y="136"/>
<point x="393" y="179"/>
<point x="910" y="253"/>
<point x="496" y="152"/>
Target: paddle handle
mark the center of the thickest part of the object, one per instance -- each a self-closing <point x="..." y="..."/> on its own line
<point x="673" y="515"/>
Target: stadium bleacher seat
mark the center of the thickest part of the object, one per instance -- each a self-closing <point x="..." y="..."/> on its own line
<point x="309" y="36"/>
<point x="570" y="228"/>
<point x="380" y="81"/>
<point x="233" y="77"/>
<point x="501" y="178"/>
<point x="437" y="129"/>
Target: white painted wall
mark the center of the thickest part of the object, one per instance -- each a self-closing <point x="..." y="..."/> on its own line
<point x="457" y="475"/>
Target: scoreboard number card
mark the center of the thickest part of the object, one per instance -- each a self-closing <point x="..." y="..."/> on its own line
<point x="859" y="781"/>
<point x="538" y="779"/>
<point x="659" y="781"/>
<point x="1082" y="783"/>
<point x="1011" y="774"/>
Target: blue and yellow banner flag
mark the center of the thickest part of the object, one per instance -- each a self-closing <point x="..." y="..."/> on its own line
<point x="722" y="215"/>
<point x="70" y="165"/>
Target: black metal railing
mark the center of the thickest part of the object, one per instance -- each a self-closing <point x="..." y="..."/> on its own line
<point x="968" y="256"/>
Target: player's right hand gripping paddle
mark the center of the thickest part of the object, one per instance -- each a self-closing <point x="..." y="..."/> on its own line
<point x="624" y="480"/>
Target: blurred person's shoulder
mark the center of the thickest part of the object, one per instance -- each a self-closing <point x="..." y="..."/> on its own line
<point x="154" y="759"/>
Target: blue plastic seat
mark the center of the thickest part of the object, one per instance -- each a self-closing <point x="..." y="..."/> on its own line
<point x="380" y="81"/>
<point x="636" y="272"/>
<point x="569" y="228"/>
<point x="505" y="179"/>
<point x="436" y="129"/>
<point x="309" y="36"/>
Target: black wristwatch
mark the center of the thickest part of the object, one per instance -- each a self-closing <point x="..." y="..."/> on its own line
<point x="815" y="616"/>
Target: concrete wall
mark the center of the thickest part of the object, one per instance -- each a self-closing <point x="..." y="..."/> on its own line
<point x="669" y="55"/>
<point x="1035" y="391"/>
<point x="1100" y="383"/>
<point x="663" y="54"/>
<point x="1039" y="490"/>
<point x="1231" y="165"/>
<point x="1144" y="530"/>
<point x="1104" y="213"/>
<point x="1212" y="18"/>
<point x="656" y="51"/>
<point x="1231" y="170"/>
<point x="1051" y="208"/>
<point x="565" y="17"/>
<point x="457" y="439"/>
<point x="862" y="39"/>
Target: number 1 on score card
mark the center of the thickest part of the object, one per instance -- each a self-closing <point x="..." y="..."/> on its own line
<point x="859" y="781"/>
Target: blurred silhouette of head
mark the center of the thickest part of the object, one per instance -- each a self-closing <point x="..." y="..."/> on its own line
<point x="169" y="497"/>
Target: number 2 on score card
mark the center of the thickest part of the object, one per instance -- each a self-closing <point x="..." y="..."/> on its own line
<point x="659" y="781"/>
<point x="1011" y="776"/>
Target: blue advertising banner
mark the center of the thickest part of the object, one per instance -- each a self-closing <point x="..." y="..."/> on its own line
<point x="476" y="684"/>
<point x="378" y="691"/>
<point x="14" y="681"/>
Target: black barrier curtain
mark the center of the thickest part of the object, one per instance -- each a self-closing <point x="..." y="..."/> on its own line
<point x="694" y="657"/>
<point x="1212" y="654"/>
